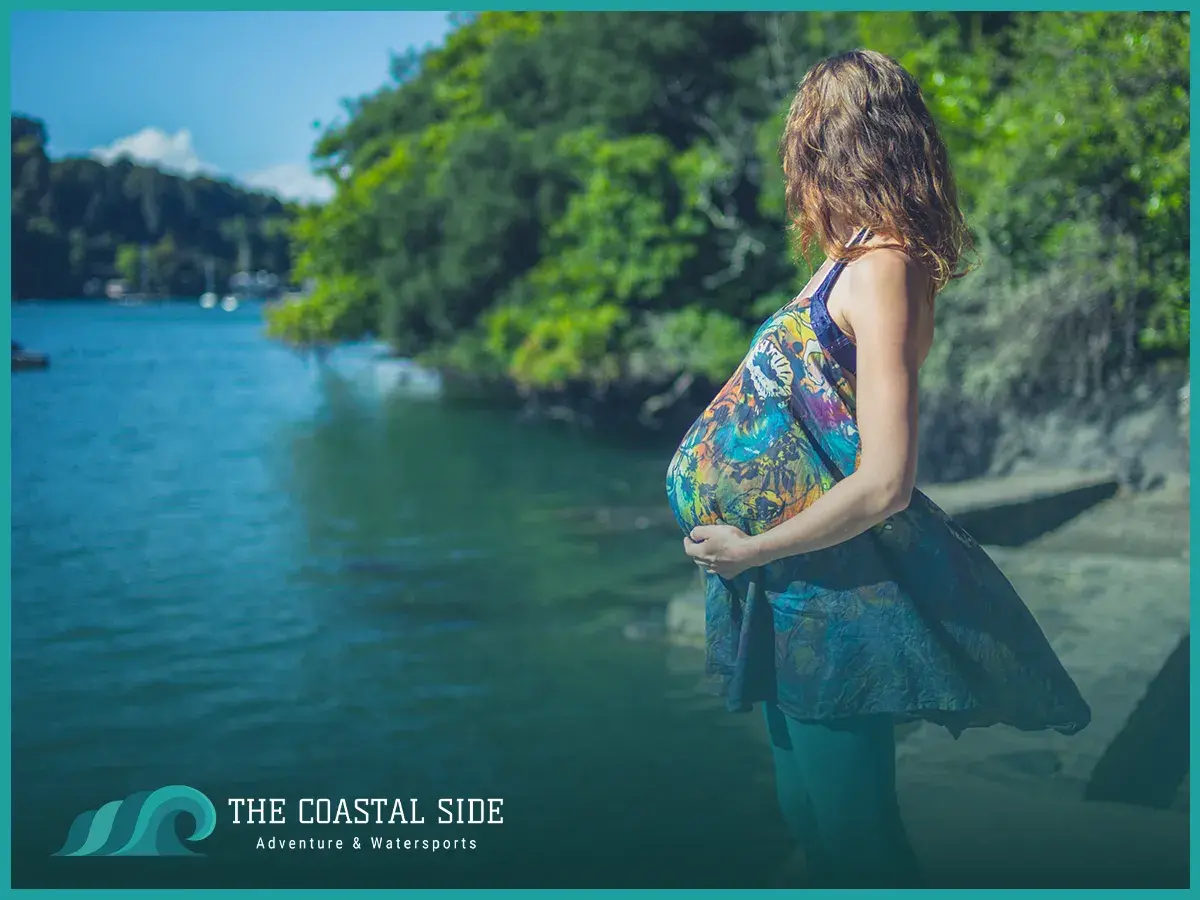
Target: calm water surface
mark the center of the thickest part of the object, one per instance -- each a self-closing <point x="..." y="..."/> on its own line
<point x="243" y="572"/>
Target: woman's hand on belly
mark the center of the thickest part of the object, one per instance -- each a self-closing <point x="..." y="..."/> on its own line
<point x="721" y="549"/>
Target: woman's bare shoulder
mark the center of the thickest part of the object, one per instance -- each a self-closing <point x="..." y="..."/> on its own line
<point x="885" y="263"/>
<point x="886" y="275"/>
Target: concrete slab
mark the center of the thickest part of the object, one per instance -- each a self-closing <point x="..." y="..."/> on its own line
<point x="1021" y="508"/>
<point x="1152" y="525"/>
<point x="964" y="496"/>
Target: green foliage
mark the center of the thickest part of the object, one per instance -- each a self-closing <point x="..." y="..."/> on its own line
<point x="334" y="309"/>
<point x="76" y="221"/>
<point x="1113" y="152"/>
<point x="128" y="262"/>
<point x="617" y="250"/>
<point x="570" y="199"/>
<point x="693" y="340"/>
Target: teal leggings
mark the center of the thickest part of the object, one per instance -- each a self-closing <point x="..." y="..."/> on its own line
<point x="836" y="783"/>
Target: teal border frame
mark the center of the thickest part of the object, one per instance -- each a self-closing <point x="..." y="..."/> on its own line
<point x="6" y="824"/>
<point x="618" y="5"/>
<point x="6" y="490"/>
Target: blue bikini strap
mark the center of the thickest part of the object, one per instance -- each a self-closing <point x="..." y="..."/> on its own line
<point x="831" y="276"/>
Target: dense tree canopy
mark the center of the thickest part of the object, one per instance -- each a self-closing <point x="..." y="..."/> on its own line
<point x="76" y="221"/>
<point x="579" y="200"/>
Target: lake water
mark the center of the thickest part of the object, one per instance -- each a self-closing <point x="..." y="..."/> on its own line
<point x="240" y="571"/>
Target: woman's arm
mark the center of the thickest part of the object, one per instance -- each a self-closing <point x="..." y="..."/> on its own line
<point x="885" y="316"/>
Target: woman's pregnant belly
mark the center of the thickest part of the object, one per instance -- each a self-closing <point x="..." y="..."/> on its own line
<point x="745" y="462"/>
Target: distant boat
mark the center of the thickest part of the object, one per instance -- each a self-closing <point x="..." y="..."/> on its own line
<point x="23" y="359"/>
<point x="209" y="298"/>
<point x="229" y="303"/>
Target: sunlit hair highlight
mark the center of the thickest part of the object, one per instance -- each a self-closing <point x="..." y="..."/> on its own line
<point x="861" y="149"/>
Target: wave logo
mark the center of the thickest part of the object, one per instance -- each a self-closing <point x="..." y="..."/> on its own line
<point x="143" y="824"/>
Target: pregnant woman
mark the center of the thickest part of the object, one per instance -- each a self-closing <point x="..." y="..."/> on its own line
<point x="838" y="596"/>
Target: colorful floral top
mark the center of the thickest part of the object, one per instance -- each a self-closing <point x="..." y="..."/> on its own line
<point x="911" y="618"/>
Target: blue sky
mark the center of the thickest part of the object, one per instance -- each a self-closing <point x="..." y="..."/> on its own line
<point x="229" y="93"/>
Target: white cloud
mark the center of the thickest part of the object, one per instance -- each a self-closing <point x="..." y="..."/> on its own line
<point x="291" y="181"/>
<point x="176" y="153"/>
<point x="154" y="147"/>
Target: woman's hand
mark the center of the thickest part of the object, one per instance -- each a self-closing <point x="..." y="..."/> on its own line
<point x="721" y="549"/>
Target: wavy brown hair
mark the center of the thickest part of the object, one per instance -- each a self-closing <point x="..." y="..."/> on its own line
<point x="861" y="149"/>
